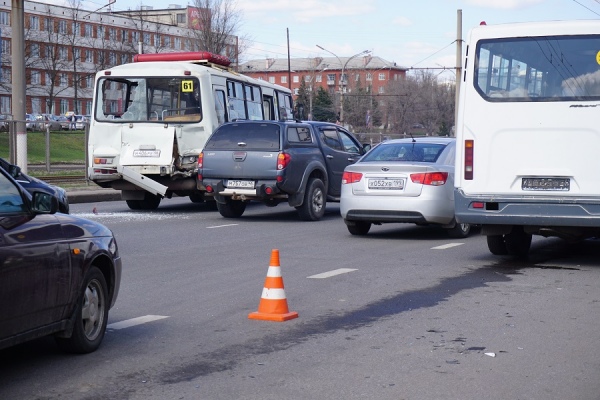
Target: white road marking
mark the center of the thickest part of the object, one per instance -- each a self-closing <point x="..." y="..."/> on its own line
<point x="135" y="321"/>
<point x="332" y="273"/>
<point x="220" y="226"/>
<point x="446" y="246"/>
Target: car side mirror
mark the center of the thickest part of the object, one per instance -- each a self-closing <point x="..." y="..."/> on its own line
<point x="366" y="147"/>
<point x="44" y="203"/>
<point x="14" y="170"/>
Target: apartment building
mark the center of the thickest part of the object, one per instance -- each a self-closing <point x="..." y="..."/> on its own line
<point x="372" y="72"/>
<point x="65" y="47"/>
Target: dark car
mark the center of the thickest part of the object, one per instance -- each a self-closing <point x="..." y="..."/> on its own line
<point x="59" y="274"/>
<point x="30" y="183"/>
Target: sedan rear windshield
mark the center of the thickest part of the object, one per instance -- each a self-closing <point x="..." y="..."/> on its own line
<point x="415" y="152"/>
<point x="263" y="137"/>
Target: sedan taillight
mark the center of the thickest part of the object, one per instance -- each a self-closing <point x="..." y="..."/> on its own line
<point x="430" y="178"/>
<point x="351" y="177"/>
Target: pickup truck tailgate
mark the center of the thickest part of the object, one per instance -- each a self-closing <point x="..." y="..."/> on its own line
<point x="227" y="164"/>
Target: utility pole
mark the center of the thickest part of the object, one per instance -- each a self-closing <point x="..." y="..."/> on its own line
<point x="458" y="65"/>
<point x="18" y="83"/>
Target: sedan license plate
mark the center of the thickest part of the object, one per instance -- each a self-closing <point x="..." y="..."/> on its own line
<point x="561" y="184"/>
<point x="386" y="183"/>
<point x="237" y="184"/>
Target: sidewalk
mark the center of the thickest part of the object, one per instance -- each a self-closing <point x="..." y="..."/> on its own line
<point x="92" y="194"/>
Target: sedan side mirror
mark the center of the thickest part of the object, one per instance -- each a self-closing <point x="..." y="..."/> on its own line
<point x="44" y="203"/>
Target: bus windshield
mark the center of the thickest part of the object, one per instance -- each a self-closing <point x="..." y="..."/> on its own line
<point x="173" y="99"/>
<point x="545" y="68"/>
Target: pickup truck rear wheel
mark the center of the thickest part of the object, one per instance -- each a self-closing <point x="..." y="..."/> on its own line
<point x="313" y="207"/>
<point x="231" y="208"/>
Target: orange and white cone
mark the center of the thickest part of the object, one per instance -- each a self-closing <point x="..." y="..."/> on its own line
<point x="273" y="303"/>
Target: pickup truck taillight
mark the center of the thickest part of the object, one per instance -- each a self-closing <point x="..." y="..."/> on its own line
<point x="283" y="159"/>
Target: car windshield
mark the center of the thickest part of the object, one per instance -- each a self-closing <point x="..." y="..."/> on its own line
<point x="245" y="137"/>
<point x="405" y="151"/>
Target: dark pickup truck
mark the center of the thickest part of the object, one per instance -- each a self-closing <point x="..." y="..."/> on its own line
<point x="300" y="163"/>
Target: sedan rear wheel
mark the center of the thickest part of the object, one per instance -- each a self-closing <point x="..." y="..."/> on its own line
<point x="359" y="228"/>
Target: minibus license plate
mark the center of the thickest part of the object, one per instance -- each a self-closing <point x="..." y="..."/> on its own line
<point x="561" y="184"/>
<point x="237" y="184"/>
<point x="383" y="183"/>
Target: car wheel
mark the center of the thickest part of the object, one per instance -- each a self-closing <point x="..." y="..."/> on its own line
<point x="517" y="242"/>
<point x="313" y="207"/>
<point x="91" y="316"/>
<point x="134" y="204"/>
<point x="231" y="208"/>
<point x="496" y="245"/>
<point x="459" y="230"/>
<point x="360" y="228"/>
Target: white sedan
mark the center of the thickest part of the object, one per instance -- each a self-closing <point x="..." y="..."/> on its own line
<point x="402" y="180"/>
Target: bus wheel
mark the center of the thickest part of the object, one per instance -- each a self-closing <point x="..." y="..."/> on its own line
<point x="517" y="242"/>
<point x="497" y="245"/>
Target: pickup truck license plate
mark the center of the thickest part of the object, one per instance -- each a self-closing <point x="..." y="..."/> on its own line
<point x="385" y="183"/>
<point x="561" y="184"/>
<point x="238" y="184"/>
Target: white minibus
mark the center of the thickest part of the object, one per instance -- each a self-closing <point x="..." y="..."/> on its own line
<point x="151" y="119"/>
<point x="528" y="143"/>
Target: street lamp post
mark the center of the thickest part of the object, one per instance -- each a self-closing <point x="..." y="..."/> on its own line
<point x="342" y="80"/>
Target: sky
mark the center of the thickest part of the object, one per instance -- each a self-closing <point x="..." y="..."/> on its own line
<point x="413" y="34"/>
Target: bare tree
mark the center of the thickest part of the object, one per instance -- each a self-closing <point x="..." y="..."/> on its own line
<point x="215" y="28"/>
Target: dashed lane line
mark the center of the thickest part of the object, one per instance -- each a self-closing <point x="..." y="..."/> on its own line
<point x="446" y="246"/>
<point x="128" y="323"/>
<point x="220" y="226"/>
<point x="329" y="274"/>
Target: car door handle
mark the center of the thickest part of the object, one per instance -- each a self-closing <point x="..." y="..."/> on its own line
<point x="329" y="156"/>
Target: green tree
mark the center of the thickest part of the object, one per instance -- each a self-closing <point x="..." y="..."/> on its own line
<point x="302" y="101"/>
<point x="323" y="109"/>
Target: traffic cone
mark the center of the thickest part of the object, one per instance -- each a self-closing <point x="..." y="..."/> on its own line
<point x="273" y="303"/>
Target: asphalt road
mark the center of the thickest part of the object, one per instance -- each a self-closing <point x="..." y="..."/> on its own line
<point x="404" y="313"/>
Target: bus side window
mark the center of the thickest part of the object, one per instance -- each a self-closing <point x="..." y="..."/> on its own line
<point x="268" y="108"/>
<point x="220" y="106"/>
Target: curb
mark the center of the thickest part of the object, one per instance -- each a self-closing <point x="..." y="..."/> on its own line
<point x="92" y="196"/>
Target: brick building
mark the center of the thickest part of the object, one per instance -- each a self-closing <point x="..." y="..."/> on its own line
<point x="65" y="47"/>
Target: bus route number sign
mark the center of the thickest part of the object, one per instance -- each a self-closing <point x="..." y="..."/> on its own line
<point x="187" y="86"/>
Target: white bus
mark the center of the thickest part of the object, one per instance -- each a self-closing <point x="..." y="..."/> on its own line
<point x="528" y="143"/>
<point x="151" y="118"/>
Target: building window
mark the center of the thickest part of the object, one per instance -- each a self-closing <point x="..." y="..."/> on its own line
<point x="76" y="54"/>
<point x="284" y="79"/>
<point x="36" y="105"/>
<point x="64" y="80"/>
<point x="181" y="18"/>
<point x="156" y="40"/>
<point x="100" y="32"/>
<point x="5" y="105"/>
<point x="381" y="90"/>
<point x="167" y="41"/>
<point x="330" y="79"/>
<point x="124" y="36"/>
<point x="34" y="23"/>
<point x="49" y="25"/>
<point x="271" y="79"/>
<point x="62" y="27"/>
<point x="295" y="79"/>
<point x="6" y="75"/>
<point x="307" y="78"/>
<point x="62" y="53"/>
<point x="319" y="78"/>
<point x="64" y="106"/>
<point x="35" y="77"/>
<point x="177" y="45"/>
<point x="48" y="81"/>
<point x="135" y="36"/>
<point x="381" y="76"/>
<point x="4" y="18"/>
<point x="34" y="50"/>
<point x="76" y="29"/>
<point x="146" y="38"/>
<point x="296" y="91"/>
<point x="89" y="81"/>
<point x="112" y="34"/>
<point x="112" y="58"/>
<point x="87" y="30"/>
<point x="369" y="76"/>
<point x="89" y="56"/>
